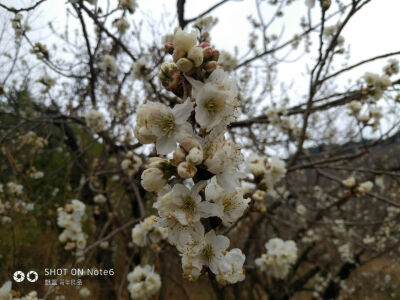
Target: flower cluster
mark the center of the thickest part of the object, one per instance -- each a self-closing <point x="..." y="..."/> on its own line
<point x="147" y="231"/>
<point x="271" y="170"/>
<point x="377" y="84"/>
<point x="206" y="167"/>
<point x="17" y="25"/>
<point x="131" y="163"/>
<point x="392" y="67"/>
<point x="122" y="25"/>
<point x="47" y="82"/>
<point x="11" y="196"/>
<point x="129" y="5"/>
<point x="357" y="189"/>
<point x="70" y="218"/>
<point x="143" y="282"/>
<point x="33" y="140"/>
<point x="280" y="256"/>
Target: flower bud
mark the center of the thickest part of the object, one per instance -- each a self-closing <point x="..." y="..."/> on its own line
<point x="195" y="156"/>
<point x="207" y="53"/>
<point x="185" y="65"/>
<point x="210" y="66"/>
<point x="196" y="55"/>
<point x="259" y="195"/>
<point x="364" y="188"/>
<point x="186" y="170"/>
<point x="215" y="54"/>
<point x="260" y="207"/>
<point x="326" y="4"/>
<point x="364" y="118"/>
<point x="349" y="182"/>
<point x="70" y="246"/>
<point x="178" y="54"/>
<point x="190" y="142"/>
<point x="169" y="76"/>
<point x="169" y="47"/>
<point x="178" y="157"/>
<point x="156" y="162"/>
<point x="354" y="106"/>
<point x="204" y="45"/>
<point x="153" y="180"/>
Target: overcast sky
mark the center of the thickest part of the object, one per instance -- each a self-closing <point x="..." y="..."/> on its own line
<point x="373" y="31"/>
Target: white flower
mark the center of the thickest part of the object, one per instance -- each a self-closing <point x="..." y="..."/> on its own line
<point x="148" y="230"/>
<point x="14" y="188"/>
<point x="108" y="64"/>
<point x="70" y="218"/>
<point x="223" y="159"/>
<point x="349" y="182"/>
<point x="139" y="69"/>
<point x="5" y="291"/>
<point x="156" y="121"/>
<point x="301" y="209"/>
<point x="364" y="188"/>
<point x="211" y="254"/>
<point x="131" y="163"/>
<point x="227" y="61"/>
<point x="184" y="205"/>
<point x="368" y="240"/>
<point x="196" y="55"/>
<point x="84" y="292"/>
<point x="216" y="99"/>
<point x="139" y="235"/>
<point x="99" y="199"/>
<point x="355" y="106"/>
<point x="95" y="120"/>
<point x="37" y="175"/>
<point x="122" y="25"/>
<point x="187" y="239"/>
<point x="235" y="259"/>
<point x="130" y="5"/>
<point x="346" y="253"/>
<point x="392" y="67"/>
<point x="257" y="165"/>
<point x="185" y="41"/>
<point x="280" y="256"/>
<point x="276" y="170"/>
<point x="231" y="205"/>
<point x="143" y="282"/>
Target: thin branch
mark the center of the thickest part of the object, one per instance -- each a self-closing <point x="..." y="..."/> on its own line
<point x="15" y="10"/>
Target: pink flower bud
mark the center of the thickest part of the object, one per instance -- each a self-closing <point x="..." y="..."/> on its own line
<point x="208" y="53"/>
<point x="215" y="54"/>
<point x="204" y="45"/>
<point x="169" y="47"/>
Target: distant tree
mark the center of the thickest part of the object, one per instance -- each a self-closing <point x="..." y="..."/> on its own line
<point x="142" y="149"/>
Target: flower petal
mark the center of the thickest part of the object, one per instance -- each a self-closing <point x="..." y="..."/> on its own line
<point x="182" y="111"/>
<point x="165" y="145"/>
<point x="182" y="131"/>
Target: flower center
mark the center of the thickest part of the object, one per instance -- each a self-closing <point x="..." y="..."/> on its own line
<point x="167" y="124"/>
<point x="189" y="204"/>
<point x="212" y="105"/>
<point x="208" y="252"/>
